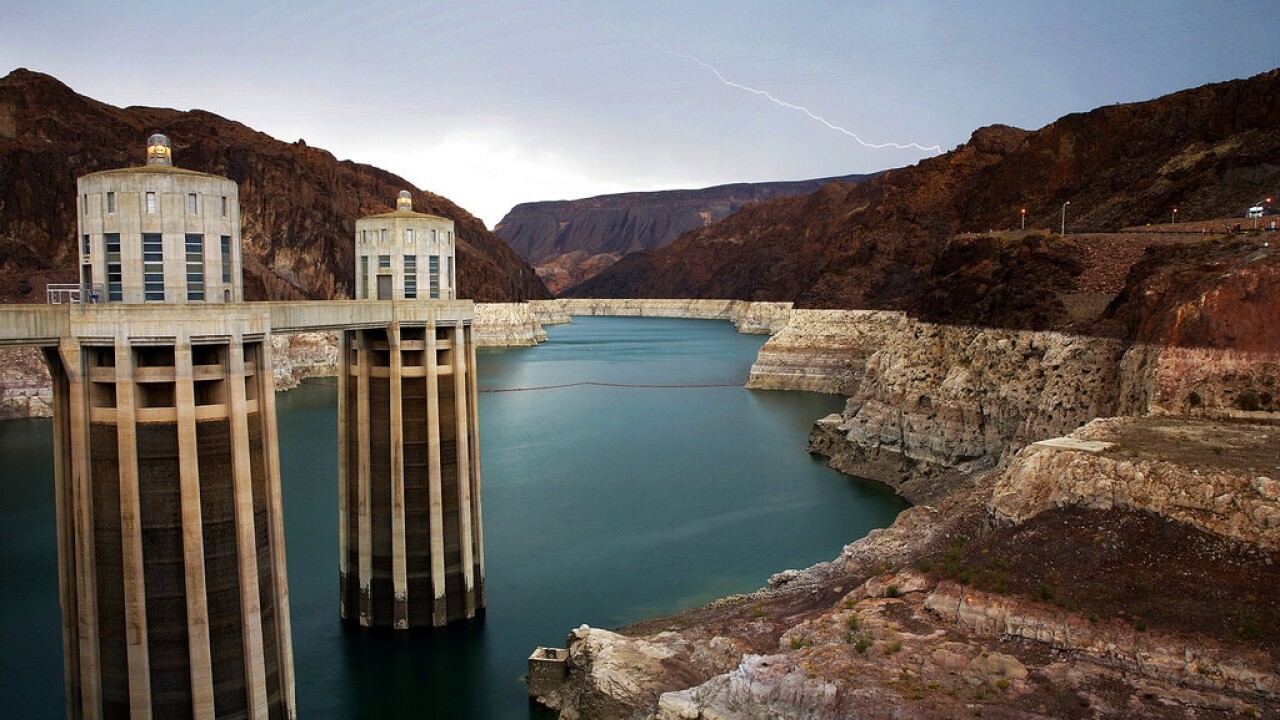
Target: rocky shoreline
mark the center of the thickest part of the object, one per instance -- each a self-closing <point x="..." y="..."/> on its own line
<point x="1153" y="457"/>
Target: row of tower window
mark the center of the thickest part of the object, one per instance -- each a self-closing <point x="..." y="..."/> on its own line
<point x="150" y="203"/>
<point x="153" y="265"/>
<point x="410" y="275"/>
<point x="382" y="235"/>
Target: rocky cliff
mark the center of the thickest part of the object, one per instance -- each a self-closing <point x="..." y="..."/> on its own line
<point x="569" y="241"/>
<point x="822" y="350"/>
<point x="747" y="317"/>
<point x="1100" y="575"/>
<point x="298" y="204"/>
<point x="1206" y="151"/>
<point x="1063" y="567"/>
<point x="507" y="325"/>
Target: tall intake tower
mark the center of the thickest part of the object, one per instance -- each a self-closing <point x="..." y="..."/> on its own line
<point x="411" y="549"/>
<point x="170" y="533"/>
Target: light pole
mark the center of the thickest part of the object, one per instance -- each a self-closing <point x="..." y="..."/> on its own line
<point x="1024" y="218"/>
<point x="1175" y="216"/>
<point x="1064" y="218"/>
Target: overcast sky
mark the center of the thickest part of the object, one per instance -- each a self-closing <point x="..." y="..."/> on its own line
<point x="495" y="102"/>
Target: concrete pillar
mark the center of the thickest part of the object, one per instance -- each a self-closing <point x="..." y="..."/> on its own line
<point x="345" y="348"/>
<point x="246" y="537"/>
<point x="435" y="497"/>
<point x="364" y="510"/>
<point x="192" y="535"/>
<point x="399" y="560"/>
<point x="473" y="418"/>
<point x="135" y="609"/>
<point x="462" y="430"/>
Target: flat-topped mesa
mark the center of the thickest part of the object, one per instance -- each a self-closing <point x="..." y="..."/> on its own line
<point x="411" y="551"/>
<point x="159" y="233"/>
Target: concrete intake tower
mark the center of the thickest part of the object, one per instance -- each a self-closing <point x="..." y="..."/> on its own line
<point x="411" y="550"/>
<point x="170" y="533"/>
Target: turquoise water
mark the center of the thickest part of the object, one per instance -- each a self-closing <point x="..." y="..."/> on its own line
<point x="602" y="505"/>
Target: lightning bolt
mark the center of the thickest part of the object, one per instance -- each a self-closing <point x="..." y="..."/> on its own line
<point x="790" y="106"/>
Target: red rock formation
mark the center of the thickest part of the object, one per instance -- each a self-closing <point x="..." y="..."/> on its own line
<point x="1208" y="151"/>
<point x="298" y="203"/>
<point x="566" y="239"/>
<point x="1222" y="295"/>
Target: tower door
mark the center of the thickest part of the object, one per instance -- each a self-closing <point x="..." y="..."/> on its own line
<point x="384" y="287"/>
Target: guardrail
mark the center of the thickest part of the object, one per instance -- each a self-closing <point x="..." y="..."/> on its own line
<point x="71" y="293"/>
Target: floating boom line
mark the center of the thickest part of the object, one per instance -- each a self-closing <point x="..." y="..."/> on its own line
<point x="607" y="384"/>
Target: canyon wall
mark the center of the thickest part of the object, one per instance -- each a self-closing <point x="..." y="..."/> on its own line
<point x="748" y="317"/>
<point x="823" y="350"/>
<point x="572" y="240"/>
<point x="935" y="403"/>
<point x="298" y="356"/>
<point x="25" y="387"/>
<point x="506" y="325"/>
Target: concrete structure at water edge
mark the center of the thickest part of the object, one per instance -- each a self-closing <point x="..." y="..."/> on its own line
<point x="170" y="536"/>
<point x="404" y="255"/>
<point x="171" y="562"/>
<point x="411" y="550"/>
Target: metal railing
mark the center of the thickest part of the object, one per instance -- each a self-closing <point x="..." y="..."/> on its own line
<point x="71" y="293"/>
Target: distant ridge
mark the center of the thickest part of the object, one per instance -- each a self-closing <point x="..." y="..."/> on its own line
<point x="571" y="240"/>
<point x="1210" y="152"/>
<point x="298" y="203"/>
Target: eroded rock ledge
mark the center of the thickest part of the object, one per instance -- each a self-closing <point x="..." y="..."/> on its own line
<point x="939" y="616"/>
<point x="937" y="403"/>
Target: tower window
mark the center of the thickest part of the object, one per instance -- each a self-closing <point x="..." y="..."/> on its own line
<point x="192" y="204"/>
<point x="84" y="204"/>
<point x="114" y="286"/>
<point x="433" y="234"/>
<point x="86" y="244"/>
<point x="195" y="266"/>
<point x="152" y="267"/>
<point x="364" y="277"/>
<point x="410" y="276"/>
<point x="151" y="203"/>
<point x="408" y="236"/>
<point x="449" y="258"/>
<point x="226" y="260"/>
<point x="383" y="236"/>
<point x="111" y="203"/>
<point x="384" y="262"/>
<point x="433" y="277"/>
<point x="224" y="206"/>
